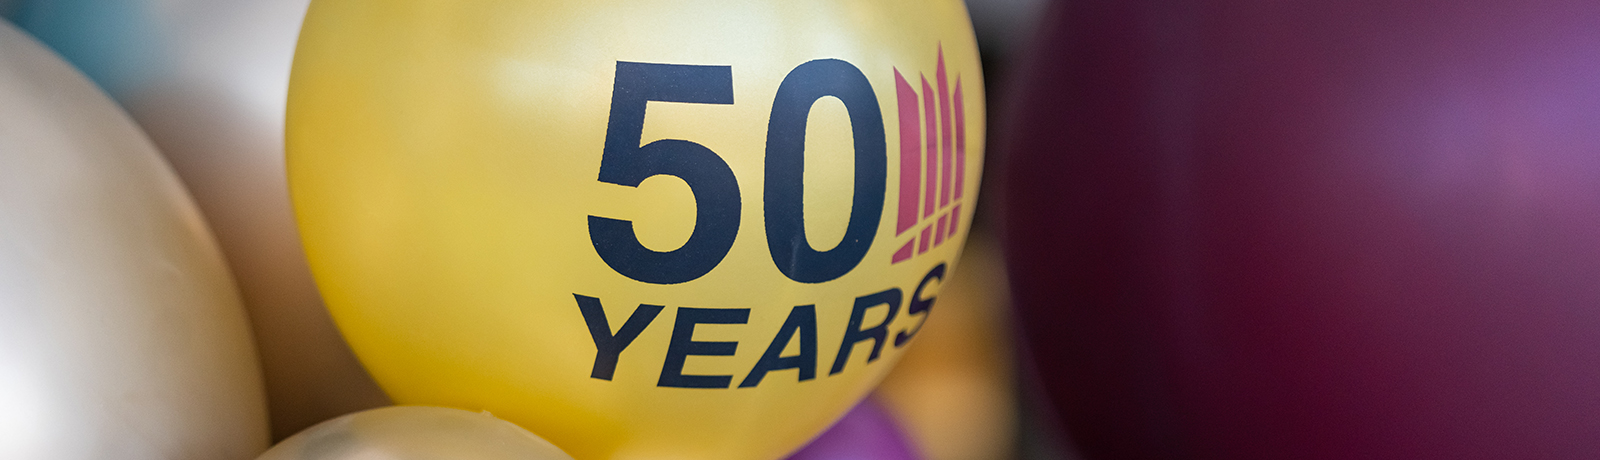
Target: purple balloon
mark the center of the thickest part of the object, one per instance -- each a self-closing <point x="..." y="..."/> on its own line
<point x="1265" y="229"/>
<point x="865" y="433"/>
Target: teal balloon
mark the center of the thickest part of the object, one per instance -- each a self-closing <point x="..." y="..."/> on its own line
<point x="117" y="43"/>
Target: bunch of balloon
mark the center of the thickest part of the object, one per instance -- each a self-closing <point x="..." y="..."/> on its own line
<point x="208" y="81"/>
<point x="1303" y="229"/>
<point x="867" y="432"/>
<point x="121" y="335"/>
<point x="640" y="230"/>
<point x="415" y="432"/>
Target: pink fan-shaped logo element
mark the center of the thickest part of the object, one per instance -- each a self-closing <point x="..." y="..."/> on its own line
<point x="933" y="161"/>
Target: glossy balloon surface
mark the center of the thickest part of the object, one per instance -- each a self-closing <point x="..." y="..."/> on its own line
<point x="208" y="81"/>
<point x="1320" y="230"/>
<point x="415" y="433"/>
<point x="121" y="335"/>
<point x="867" y="432"/>
<point x="639" y="230"/>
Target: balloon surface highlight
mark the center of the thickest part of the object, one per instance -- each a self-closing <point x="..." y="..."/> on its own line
<point x="692" y="229"/>
<point x="208" y="81"/>
<point x="415" y="433"/>
<point x="121" y="335"/>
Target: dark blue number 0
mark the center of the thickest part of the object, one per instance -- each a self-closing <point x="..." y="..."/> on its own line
<point x="786" y="162"/>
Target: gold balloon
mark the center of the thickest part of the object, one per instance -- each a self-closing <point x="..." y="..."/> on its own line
<point x="121" y="335"/>
<point x="667" y="229"/>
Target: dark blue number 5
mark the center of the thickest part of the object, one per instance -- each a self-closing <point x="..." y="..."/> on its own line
<point x="625" y="162"/>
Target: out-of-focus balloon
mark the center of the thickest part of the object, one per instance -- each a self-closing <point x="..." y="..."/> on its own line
<point x="415" y="433"/>
<point x="954" y="393"/>
<point x="121" y="335"/>
<point x="867" y="432"/>
<point x="208" y="79"/>
<point x="498" y="222"/>
<point x="1307" y="229"/>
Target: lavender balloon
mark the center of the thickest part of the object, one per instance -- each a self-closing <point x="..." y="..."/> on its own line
<point x="865" y="433"/>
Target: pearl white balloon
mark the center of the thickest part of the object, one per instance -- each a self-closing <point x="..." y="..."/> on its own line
<point x="208" y="80"/>
<point x="415" y="433"/>
<point x="121" y="335"/>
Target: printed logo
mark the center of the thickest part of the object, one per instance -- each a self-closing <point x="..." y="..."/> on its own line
<point x="933" y="161"/>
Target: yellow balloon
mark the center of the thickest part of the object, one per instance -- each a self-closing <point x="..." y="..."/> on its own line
<point x="670" y="229"/>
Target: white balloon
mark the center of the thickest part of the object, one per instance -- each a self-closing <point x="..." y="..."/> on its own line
<point x="121" y="335"/>
<point x="415" y="433"/>
<point x="208" y="80"/>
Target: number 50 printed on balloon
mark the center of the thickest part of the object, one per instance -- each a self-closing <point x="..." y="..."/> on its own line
<point x="683" y="229"/>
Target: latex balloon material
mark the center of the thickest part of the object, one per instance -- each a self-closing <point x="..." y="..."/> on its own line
<point x="692" y="229"/>
<point x="208" y="81"/>
<point x="415" y="433"/>
<point x="121" y="335"/>
<point x="1322" y="230"/>
<point x="865" y="433"/>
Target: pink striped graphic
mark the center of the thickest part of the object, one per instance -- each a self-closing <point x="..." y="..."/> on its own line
<point x="933" y="160"/>
<point x="961" y="143"/>
<point x="933" y="147"/>
<point x="904" y="252"/>
<point x="910" y="161"/>
<point x="955" y="220"/>
<point x="961" y="160"/>
<point x="945" y="144"/>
